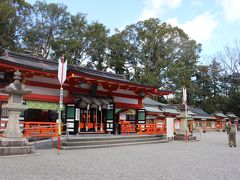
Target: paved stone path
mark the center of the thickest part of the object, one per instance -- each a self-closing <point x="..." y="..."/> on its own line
<point x="208" y="159"/>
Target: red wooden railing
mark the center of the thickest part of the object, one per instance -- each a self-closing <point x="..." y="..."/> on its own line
<point x="35" y="129"/>
<point x="151" y="129"/>
<point x="50" y="129"/>
<point x="40" y="129"/>
<point x="127" y="127"/>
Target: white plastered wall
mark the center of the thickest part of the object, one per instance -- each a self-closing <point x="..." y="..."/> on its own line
<point x="125" y="100"/>
<point x="46" y="91"/>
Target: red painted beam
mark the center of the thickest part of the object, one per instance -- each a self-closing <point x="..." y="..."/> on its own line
<point x="48" y="98"/>
<point x="46" y="85"/>
<point x="3" y="97"/>
<point x="41" y="97"/>
<point x="13" y="67"/>
<point x="130" y="106"/>
<point x="80" y="90"/>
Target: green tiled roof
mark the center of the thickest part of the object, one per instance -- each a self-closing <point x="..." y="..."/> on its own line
<point x="231" y="115"/>
<point x="189" y="117"/>
<point x="171" y="111"/>
<point x="219" y="114"/>
<point x="153" y="109"/>
<point x="149" y="101"/>
<point x="205" y="117"/>
<point x="191" y="113"/>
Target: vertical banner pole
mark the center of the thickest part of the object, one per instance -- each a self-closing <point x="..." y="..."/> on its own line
<point x="100" y="109"/>
<point x="96" y="125"/>
<point x="60" y="119"/>
<point x="186" y="122"/>
<point x="87" y="118"/>
<point x="79" y="124"/>
<point x="185" y="104"/>
<point x="62" y="72"/>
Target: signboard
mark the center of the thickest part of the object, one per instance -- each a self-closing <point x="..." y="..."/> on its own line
<point x="77" y="114"/>
<point x="170" y="127"/>
<point x="141" y="116"/>
<point x="61" y="98"/>
<point x="42" y="105"/>
<point x="110" y="118"/>
<point x="70" y="116"/>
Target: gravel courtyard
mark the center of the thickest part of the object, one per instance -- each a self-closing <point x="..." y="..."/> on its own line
<point x="208" y="159"/>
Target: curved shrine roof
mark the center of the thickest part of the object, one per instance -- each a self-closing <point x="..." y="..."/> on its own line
<point x="31" y="63"/>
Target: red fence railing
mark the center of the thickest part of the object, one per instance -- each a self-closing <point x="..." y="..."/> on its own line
<point x="127" y="127"/>
<point x="151" y="129"/>
<point x="35" y="129"/>
<point x="50" y="129"/>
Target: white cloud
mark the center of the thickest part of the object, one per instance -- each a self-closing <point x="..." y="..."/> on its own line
<point x="200" y="28"/>
<point x="231" y="9"/>
<point x="155" y="8"/>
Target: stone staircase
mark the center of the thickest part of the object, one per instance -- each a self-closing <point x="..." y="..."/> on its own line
<point x="110" y="141"/>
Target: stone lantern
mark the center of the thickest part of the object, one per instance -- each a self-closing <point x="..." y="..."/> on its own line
<point x="12" y="135"/>
<point x="184" y="133"/>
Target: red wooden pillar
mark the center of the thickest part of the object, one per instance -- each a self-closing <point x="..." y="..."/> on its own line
<point x="140" y="102"/>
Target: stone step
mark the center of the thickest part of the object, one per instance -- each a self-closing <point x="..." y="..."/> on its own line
<point x="15" y="146"/>
<point x="112" y="137"/>
<point x="182" y="137"/>
<point x="10" y="142"/>
<point x="109" y="141"/>
<point x="6" y="151"/>
<point x="112" y="145"/>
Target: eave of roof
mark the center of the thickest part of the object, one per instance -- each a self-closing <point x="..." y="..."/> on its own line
<point x="182" y="116"/>
<point x="153" y="109"/>
<point x="171" y="111"/>
<point x="28" y="62"/>
<point x="219" y="114"/>
<point x="199" y="112"/>
<point x="204" y="117"/>
<point x="231" y="115"/>
<point x="149" y="101"/>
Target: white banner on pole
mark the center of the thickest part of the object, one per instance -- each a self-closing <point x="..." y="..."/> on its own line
<point x="170" y="127"/>
<point x="62" y="71"/>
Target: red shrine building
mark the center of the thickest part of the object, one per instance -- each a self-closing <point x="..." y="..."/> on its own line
<point x="94" y="101"/>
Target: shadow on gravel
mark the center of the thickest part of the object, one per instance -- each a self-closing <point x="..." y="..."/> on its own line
<point x="43" y="143"/>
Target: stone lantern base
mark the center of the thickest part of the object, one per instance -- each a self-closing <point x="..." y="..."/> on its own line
<point x="183" y="137"/>
<point x="15" y="146"/>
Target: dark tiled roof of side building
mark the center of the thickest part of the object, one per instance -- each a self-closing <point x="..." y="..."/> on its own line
<point x="220" y="114"/>
<point x="199" y="112"/>
<point x="24" y="60"/>
<point x="149" y="101"/>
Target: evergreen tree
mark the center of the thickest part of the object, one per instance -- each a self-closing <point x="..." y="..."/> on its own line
<point x="13" y="17"/>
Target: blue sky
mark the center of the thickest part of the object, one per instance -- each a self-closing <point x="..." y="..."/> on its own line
<point x="213" y="23"/>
